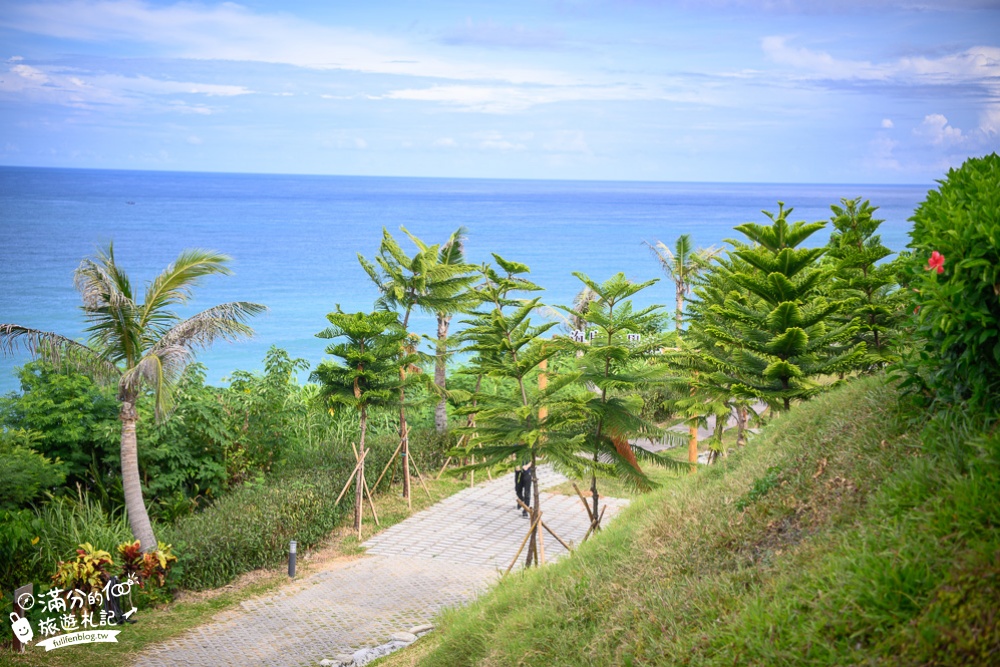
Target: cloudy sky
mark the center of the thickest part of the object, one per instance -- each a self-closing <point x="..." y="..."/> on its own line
<point x="836" y="91"/>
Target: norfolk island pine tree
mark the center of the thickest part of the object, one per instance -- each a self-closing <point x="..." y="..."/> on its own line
<point x="367" y="375"/>
<point x="612" y="372"/>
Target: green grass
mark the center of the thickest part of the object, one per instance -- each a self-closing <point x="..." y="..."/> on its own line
<point x="840" y="536"/>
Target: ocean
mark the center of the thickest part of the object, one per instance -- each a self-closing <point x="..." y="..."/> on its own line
<point x="294" y="240"/>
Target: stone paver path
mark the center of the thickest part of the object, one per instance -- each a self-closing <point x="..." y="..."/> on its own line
<point x="440" y="557"/>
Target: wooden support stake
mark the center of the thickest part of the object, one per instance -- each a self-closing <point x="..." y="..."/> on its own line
<point x="443" y="468"/>
<point x="546" y="527"/>
<point x="391" y="459"/>
<point x="421" y="479"/>
<point x="595" y="525"/>
<point x="584" y="501"/>
<point x="371" y="503"/>
<point x="523" y="542"/>
<point x="541" y="545"/>
<point x="350" y="478"/>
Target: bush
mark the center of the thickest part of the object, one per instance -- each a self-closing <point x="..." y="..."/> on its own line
<point x="68" y="522"/>
<point x="958" y="301"/>
<point x="250" y="527"/>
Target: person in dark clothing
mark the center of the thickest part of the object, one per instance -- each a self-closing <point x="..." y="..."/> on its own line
<point x="522" y="485"/>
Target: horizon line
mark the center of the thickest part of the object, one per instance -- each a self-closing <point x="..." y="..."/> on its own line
<point x="462" y="178"/>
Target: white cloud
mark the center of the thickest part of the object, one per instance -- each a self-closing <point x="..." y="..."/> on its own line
<point x="567" y="142"/>
<point x="887" y="123"/>
<point x="817" y="62"/>
<point x="360" y="143"/>
<point x="979" y="64"/>
<point x="232" y="32"/>
<point x="989" y="121"/>
<point x="938" y="132"/>
<point x="71" y="87"/>
<point x="30" y="73"/>
<point x="513" y="99"/>
<point x="195" y="140"/>
<point x="495" y="141"/>
<point x="881" y="154"/>
<point x="445" y="142"/>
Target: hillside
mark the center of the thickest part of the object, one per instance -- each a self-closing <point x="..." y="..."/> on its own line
<point x="850" y="531"/>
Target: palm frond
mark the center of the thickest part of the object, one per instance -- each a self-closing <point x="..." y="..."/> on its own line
<point x="175" y="284"/>
<point x="57" y="350"/>
<point x="226" y="321"/>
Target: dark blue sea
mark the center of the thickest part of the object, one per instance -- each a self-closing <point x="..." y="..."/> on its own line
<point x="294" y="240"/>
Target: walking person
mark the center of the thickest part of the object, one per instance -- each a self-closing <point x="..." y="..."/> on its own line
<point x="522" y="485"/>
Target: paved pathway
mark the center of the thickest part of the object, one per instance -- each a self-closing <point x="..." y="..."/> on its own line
<point x="440" y="557"/>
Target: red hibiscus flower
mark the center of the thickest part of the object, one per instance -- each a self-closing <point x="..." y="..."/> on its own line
<point x="935" y="262"/>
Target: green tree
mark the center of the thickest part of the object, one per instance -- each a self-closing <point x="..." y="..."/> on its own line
<point x="869" y="290"/>
<point x="613" y="371"/>
<point x="368" y="375"/>
<point x="428" y="281"/>
<point x="779" y="328"/>
<point x="138" y="345"/>
<point x="682" y="264"/>
<point x="24" y="473"/>
<point x="517" y="419"/>
<point x="706" y="361"/>
<point x="74" y="418"/>
<point x="261" y="412"/>
<point x="184" y="457"/>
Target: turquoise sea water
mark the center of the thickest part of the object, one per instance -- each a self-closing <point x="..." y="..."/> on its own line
<point x="295" y="239"/>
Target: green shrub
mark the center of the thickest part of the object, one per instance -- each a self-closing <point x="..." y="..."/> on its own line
<point x="958" y="303"/>
<point x="250" y="527"/>
<point x="68" y="522"/>
<point x="24" y="473"/>
<point x="20" y="553"/>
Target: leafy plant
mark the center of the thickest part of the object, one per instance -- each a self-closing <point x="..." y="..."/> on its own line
<point x="147" y="568"/>
<point x="435" y="280"/>
<point x="89" y="571"/>
<point x="869" y="290"/>
<point x="954" y="274"/>
<point x="261" y="412"/>
<point x="24" y="473"/>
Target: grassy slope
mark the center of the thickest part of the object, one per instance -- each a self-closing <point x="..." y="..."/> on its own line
<point x="833" y="539"/>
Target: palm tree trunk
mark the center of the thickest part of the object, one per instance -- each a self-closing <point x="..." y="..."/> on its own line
<point x="135" y="507"/>
<point x="441" y="411"/>
<point x="679" y="314"/>
<point x="359" y="483"/>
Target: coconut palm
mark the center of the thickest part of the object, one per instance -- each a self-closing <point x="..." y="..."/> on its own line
<point x="423" y="282"/>
<point x="138" y="345"/>
<point x="452" y="255"/>
<point x="682" y="264"/>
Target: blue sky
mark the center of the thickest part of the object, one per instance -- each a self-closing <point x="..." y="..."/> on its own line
<point x="859" y="91"/>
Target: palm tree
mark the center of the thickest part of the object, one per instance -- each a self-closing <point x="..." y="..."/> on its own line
<point x="138" y="345"/>
<point x="451" y="254"/>
<point x="420" y="282"/>
<point x="682" y="265"/>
